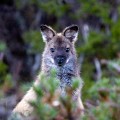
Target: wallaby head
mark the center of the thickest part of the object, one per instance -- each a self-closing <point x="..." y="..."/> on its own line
<point x="59" y="48"/>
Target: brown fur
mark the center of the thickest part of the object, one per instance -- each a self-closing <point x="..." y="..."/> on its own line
<point x="60" y="42"/>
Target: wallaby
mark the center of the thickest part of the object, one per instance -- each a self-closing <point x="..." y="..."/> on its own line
<point x="60" y="54"/>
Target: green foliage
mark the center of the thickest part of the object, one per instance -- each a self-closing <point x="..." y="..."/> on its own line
<point x="25" y="86"/>
<point x="115" y="36"/>
<point x="34" y="39"/>
<point x="96" y="40"/>
<point x="50" y="104"/>
<point x="105" y="83"/>
<point x="45" y="111"/>
<point x="96" y="113"/>
<point x="3" y="72"/>
<point x="8" y="81"/>
<point x="56" y="8"/>
<point x="114" y="64"/>
<point x="107" y="92"/>
<point x="3" y="68"/>
<point x="93" y="45"/>
<point x="45" y="91"/>
<point x="93" y="7"/>
<point x="2" y="46"/>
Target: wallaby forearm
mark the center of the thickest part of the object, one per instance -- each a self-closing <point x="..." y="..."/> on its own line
<point x="24" y="108"/>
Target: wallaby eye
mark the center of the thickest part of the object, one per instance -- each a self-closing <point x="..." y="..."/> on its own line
<point x="67" y="49"/>
<point x="52" y="50"/>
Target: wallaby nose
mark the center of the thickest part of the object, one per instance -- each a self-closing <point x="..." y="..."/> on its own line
<point x="60" y="60"/>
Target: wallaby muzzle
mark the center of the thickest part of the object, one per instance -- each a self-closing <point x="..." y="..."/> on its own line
<point x="60" y="60"/>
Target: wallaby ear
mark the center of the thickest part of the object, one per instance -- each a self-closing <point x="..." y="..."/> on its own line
<point x="71" y="33"/>
<point x="47" y="33"/>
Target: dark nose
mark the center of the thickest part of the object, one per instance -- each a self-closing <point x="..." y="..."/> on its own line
<point x="60" y="60"/>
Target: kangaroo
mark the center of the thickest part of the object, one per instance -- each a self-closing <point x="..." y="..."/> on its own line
<point x="60" y="54"/>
